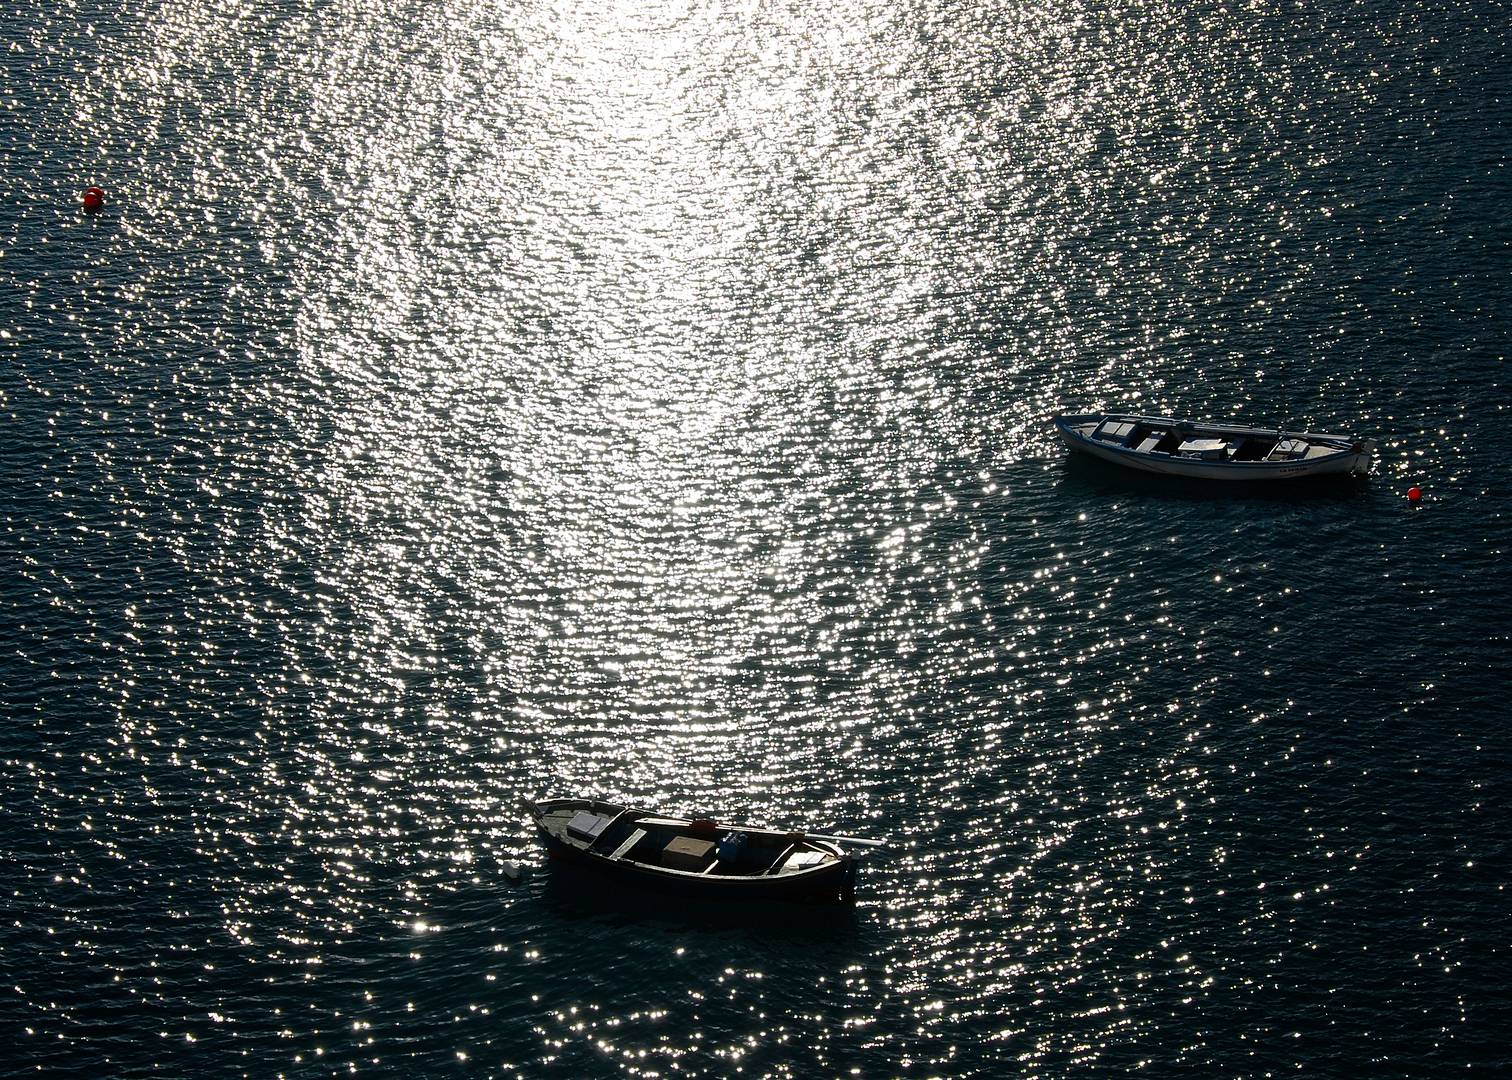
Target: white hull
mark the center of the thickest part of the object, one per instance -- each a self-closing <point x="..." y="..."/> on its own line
<point x="1199" y="451"/>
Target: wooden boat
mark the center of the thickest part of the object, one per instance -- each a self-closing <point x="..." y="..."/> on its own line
<point x="1204" y="451"/>
<point x="696" y="857"/>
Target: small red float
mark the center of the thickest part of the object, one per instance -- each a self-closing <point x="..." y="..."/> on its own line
<point x="94" y="199"/>
<point x="1414" y="494"/>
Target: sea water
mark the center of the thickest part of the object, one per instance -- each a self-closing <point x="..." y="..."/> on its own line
<point x="455" y="403"/>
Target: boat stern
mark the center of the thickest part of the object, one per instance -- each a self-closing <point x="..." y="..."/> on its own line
<point x="1363" y="457"/>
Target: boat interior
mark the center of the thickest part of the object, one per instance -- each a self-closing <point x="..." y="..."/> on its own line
<point x="698" y="847"/>
<point x="1146" y="436"/>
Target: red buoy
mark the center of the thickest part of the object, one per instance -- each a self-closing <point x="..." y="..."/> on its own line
<point x="1414" y="494"/>
<point x="94" y="199"/>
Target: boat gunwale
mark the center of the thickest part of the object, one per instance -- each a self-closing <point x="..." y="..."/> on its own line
<point x="1067" y="423"/>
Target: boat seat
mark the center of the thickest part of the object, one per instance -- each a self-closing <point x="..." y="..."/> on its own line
<point x="630" y="841"/>
<point x="802" y="860"/>
<point x="1148" y="445"/>
<point x="781" y="858"/>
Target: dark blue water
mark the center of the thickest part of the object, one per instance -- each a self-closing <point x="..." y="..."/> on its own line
<point x="455" y="403"/>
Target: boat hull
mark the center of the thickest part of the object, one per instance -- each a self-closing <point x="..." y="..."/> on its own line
<point x="1349" y="459"/>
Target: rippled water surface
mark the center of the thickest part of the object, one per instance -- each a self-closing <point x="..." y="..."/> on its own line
<point x="461" y="402"/>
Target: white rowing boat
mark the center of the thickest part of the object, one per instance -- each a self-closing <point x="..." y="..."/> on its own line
<point x="1205" y="451"/>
